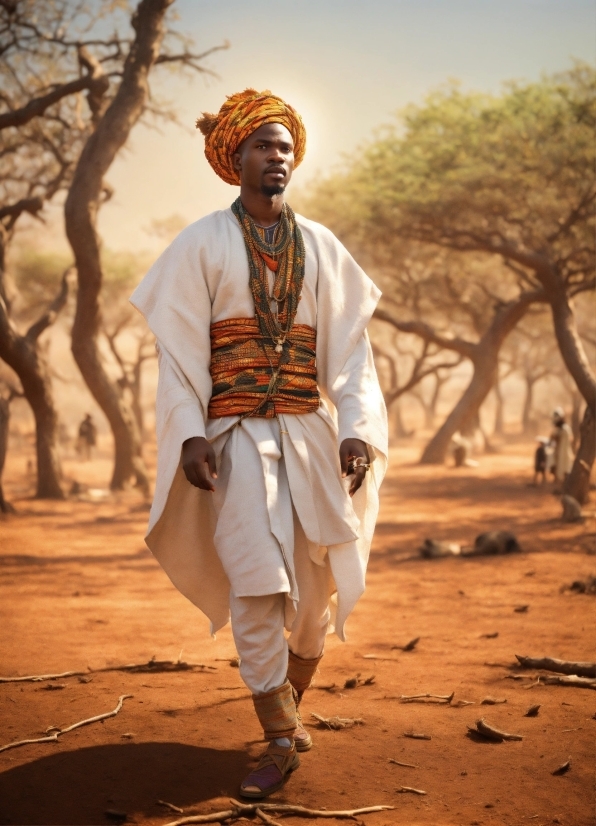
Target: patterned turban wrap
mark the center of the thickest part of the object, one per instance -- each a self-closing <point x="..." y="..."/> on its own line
<point x="239" y="117"/>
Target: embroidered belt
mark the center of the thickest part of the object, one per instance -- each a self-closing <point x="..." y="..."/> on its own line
<point x="251" y="379"/>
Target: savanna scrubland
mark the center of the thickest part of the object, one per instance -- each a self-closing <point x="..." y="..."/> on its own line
<point x="475" y="215"/>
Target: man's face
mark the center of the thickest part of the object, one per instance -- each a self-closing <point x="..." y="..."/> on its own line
<point x="265" y="160"/>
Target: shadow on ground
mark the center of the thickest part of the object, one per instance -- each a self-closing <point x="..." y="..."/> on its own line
<point x="78" y="787"/>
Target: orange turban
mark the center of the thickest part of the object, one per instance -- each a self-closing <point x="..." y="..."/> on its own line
<point x="239" y="117"/>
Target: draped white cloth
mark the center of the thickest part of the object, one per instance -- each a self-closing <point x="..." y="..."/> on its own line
<point x="239" y="539"/>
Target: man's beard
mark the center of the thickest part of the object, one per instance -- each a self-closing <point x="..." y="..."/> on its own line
<point x="270" y="191"/>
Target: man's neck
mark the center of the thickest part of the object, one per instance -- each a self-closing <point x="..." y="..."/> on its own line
<point x="263" y="209"/>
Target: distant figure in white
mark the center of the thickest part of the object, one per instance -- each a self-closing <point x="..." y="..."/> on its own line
<point x="561" y="439"/>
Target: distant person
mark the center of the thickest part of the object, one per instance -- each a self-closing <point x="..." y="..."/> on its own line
<point x="541" y="460"/>
<point x="87" y="437"/>
<point x="461" y="449"/>
<point x="561" y="439"/>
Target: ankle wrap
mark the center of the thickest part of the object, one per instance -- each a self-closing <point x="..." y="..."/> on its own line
<point x="301" y="672"/>
<point x="276" y="711"/>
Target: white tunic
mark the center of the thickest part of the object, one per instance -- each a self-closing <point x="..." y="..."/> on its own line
<point x="203" y="278"/>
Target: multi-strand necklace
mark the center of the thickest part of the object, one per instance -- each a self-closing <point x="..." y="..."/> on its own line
<point x="285" y="257"/>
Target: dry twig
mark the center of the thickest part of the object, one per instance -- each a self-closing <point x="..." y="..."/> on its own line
<point x="406" y="765"/>
<point x="405" y="789"/>
<point x="337" y="723"/>
<point x="410" y="646"/>
<point x="491" y="733"/>
<point x="559" y="666"/>
<point x="564" y="768"/>
<point x="533" y="711"/>
<point x="57" y="731"/>
<point x="152" y="666"/>
<point x="414" y="735"/>
<point x="420" y="698"/>
<point x="240" y="810"/>
<point x="170" y="806"/>
<point x="491" y="701"/>
<point x="376" y="657"/>
<point x="570" y="680"/>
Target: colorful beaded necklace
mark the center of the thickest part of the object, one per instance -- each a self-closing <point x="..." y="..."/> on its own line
<point x="285" y="257"/>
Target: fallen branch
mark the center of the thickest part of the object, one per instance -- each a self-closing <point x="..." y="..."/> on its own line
<point x="420" y="698"/>
<point x="462" y="703"/>
<point x="405" y="789"/>
<point x="338" y="723"/>
<point x="486" y="730"/>
<point x="266" y="819"/>
<point x="414" y="735"/>
<point x="375" y="657"/>
<point x="57" y="731"/>
<point x="170" y="806"/>
<point x="571" y="680"/>
<point x="559" y="666"/>
<point x="410" y="646"/>
<point x="491" y="701"/>
<point x="331" y="687"/>
<point x="406" y="765"/>
<point x="240" y="810"/>
<point x="153" y="666"/>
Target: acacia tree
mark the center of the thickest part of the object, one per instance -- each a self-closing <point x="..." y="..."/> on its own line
<point x="502" y="177"/>
<point x="54" y="52"/>
<point x="43" y="124"/>
<point x="122" y="109"/>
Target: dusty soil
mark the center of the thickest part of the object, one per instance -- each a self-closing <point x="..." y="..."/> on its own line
<point x="78" y="590"/>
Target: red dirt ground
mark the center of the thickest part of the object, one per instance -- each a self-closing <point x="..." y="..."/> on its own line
<point x="78" y="590"/>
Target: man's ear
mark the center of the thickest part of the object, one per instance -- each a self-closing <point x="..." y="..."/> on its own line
<point x="237" y="161"/>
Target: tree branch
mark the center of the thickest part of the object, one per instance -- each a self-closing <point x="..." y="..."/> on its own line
<point x="37" y="106"/>
<point x="418" y="328"/>
<point x="50" y="315"/>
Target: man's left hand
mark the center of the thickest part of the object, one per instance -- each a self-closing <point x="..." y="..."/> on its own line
<point x="353" y="451"/>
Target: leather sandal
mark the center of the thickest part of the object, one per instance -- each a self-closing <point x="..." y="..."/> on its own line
<point x="302" y="738"/>
<point x="272" y="771"/>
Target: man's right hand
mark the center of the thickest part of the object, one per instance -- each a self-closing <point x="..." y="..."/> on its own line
<point x="198" y="463"/>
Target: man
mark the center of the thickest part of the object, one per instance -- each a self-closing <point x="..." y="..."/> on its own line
<point x="561" y="439"/>
<point x="87" y="437"/>
<point x="272" y="432"/>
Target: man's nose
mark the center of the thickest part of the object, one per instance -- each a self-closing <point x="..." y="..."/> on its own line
<point x="275" y="154"/>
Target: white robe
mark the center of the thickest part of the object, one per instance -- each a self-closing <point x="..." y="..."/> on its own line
<point x="203" y="278"/>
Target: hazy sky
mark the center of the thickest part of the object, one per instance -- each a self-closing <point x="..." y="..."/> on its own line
<point x="346" y="65"/>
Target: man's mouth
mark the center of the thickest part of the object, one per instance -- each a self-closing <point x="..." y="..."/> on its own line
<point x="277" y="172"/>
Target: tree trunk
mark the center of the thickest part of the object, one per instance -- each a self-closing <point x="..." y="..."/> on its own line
<point x="5" y="507"/>
<point x="578" y="481"/>
<point x="485" y="359"/>
<point x="22" y="354"/>
<point x="527" y="421"/>
<point x="465" y="411"/>
<point x="576" y="361"/>
<point x="499" y="421"/>
<point x="576" y="417"/>
<point x="570" y="346"/>
<point x="136" y="390"/>
<point x="81" y="208"/>
<point x="400" y="428"/>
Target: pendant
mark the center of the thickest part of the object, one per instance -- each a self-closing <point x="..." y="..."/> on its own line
<point x="279" y="346"/>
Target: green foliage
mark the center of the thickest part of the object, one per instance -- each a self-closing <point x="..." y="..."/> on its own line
<point x="475" y="172"/>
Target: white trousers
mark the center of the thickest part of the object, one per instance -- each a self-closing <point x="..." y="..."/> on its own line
<point x="258" y="623"/>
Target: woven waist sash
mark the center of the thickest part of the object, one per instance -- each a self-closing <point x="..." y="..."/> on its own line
<point x="251" y="379"/>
